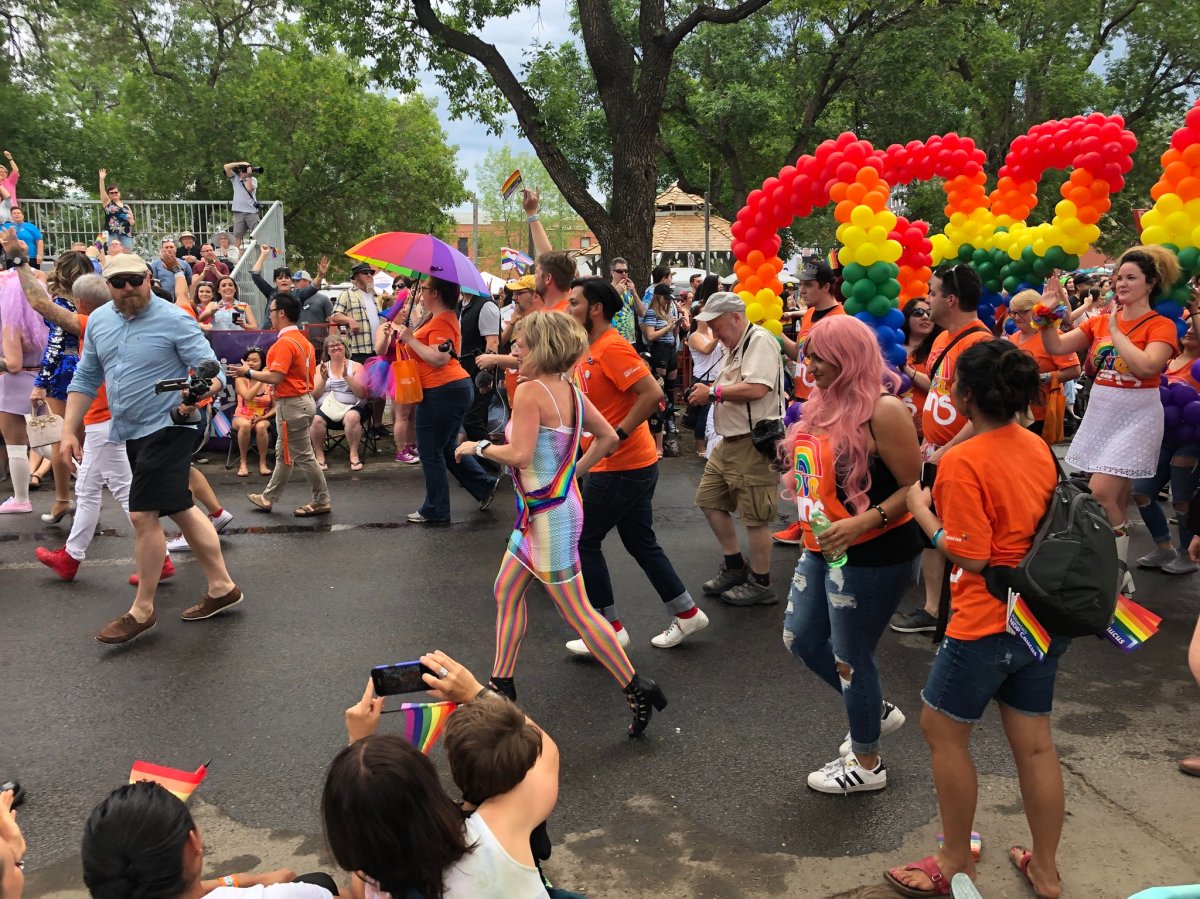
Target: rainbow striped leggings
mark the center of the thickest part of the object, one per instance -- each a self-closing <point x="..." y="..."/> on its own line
<point x="571" y="600"/>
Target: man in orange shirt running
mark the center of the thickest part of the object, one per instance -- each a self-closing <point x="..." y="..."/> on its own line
<point x="954" y="294"/>
<point x="818" y="289"/>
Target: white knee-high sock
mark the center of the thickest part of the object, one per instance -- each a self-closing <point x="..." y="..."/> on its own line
<point x="18" y="471"/>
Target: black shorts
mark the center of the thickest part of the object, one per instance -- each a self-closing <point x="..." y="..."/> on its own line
<point x="161" y="463"/>
<point x="363" y="410"/>
<point x="663" y="355"/>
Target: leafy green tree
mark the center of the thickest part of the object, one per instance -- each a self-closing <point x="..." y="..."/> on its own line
<point x="506" y="215"/>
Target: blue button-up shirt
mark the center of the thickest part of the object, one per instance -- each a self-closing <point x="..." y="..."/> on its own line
<point x="130" y="354"/>
<point x="166" y="277"/>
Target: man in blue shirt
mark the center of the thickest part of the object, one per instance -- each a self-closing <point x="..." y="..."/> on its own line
<point x="167" y="265"/>
<point x="30" y="234"/>
<point x="128" y="346"/>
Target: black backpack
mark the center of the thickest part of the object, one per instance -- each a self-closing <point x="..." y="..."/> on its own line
<point x="1071" y="575"/>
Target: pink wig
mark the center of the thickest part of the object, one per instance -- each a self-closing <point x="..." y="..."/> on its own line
<point x="842" y="410"/>
<point x="18" y="315"/>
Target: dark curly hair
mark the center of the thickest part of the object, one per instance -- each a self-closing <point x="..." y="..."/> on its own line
<point x="1000" y="378"/>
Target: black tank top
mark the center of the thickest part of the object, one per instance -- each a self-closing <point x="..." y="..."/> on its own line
<point x="900" y="544"/>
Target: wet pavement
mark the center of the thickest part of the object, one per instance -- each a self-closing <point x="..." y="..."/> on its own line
<point x="712" y="802"/>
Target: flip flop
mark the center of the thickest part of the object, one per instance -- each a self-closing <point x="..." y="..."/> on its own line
<point x="18" y="791"/>
<point x="927" y="866"/>
<point x="356" y="466"/>
<point x="1021" y="863"/>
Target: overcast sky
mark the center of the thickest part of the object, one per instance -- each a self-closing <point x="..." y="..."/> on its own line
<point x="548" y="23"/>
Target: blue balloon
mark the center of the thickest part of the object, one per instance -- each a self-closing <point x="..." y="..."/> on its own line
<point x="866" y="318"/>
<point x="894" y="319"/>
<point x="1010" y="327"/>
<point x="887" y="337"/>
<point x="1169" y="308"/>
<point x="897" y="355"/>
<point x="1181" y="327"/>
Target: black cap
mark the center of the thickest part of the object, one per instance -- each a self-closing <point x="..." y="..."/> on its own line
<point x="361" y="267"/>
<point x="816" y="270"/>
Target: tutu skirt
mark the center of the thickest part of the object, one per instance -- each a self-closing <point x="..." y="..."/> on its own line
<point x="1121" y="433"/>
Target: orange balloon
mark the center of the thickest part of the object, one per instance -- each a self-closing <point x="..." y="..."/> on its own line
<point x="1082" y="177"/>
<point x="1170" y="156"/>
<point x="1089" y="215"/>
<point x="1158" y="190"/>
<point x="776" y="263"/>
<point x="875" y="200"/>
<point x="837" y="193"/>
<point x="753" y="284"/>
<point x="843" y="210"/>
<point x="1176" y="172"/>
<point x="765" y="272"/>
<point x="1188" y="188"/>
<point x="755" y="258"/>
<point x="867" y="176"/>
<point x="1191" y="155"/>
<point x="855" y="193"/>
<point x="775" y="286"/>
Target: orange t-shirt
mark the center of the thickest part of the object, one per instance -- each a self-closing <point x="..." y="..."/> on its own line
<point x="803" y="385"/>
<point x="442" y="327"/>
<point x="605" y="375"/>
<point x="1047" y="363"/>
<point x="914" y="398"/>
<point x="1110" y="368"/>
<point x="98" y="411"/>
<point x="990" y="512"/>
<point x="561" y="306"/>
<point x="940" y="421"/>
<point x="1183" y="374"/>
<point x="293" y="355"/>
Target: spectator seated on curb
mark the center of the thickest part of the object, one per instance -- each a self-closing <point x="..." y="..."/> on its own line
<point x="141" y="841"/>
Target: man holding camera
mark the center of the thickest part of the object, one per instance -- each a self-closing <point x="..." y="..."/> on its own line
<point x="245" y="198"/>
<point x="748" y="413"/>
<point x="129" y="346"/>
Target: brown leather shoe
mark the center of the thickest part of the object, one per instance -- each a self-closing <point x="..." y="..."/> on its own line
<point x="212" y="605"/>
<point x="124" y="629"/>
<point x="1190" y="765"/>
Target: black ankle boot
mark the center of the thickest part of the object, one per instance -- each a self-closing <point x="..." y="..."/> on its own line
<point x="504" y="686"/>
<point x="641" y="694"/>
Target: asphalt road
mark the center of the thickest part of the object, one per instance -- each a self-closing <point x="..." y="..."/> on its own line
<point x="711" y="803"/>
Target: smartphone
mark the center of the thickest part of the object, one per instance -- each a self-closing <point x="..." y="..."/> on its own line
<point x="402" y="677"/>
<point x="928" y="474"/>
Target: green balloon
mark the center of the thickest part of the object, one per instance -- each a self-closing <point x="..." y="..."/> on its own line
<point x="1027" y="255"/>
<point x="1071" y="262"/>
<point x="893" y="270"/>
<point x="879" y="307"/>
<point x="979" y="257"/>
<point x="1171" y="247"/>
<point x="879" y="272"/>
<point x="1055" y="257"/>
<point x="1181" y="295"/>
<point x="853" y="306"/>
<point x="890" y="289"/>
<point x="1011" y="283"/>
<point x="1189" y="259"/>
<point x="847" y="288"/>
<point x="853" y="272"/>
<point x="986" y="271"/>
<point x="964" y="252"/>
<point x="865" y="290"/>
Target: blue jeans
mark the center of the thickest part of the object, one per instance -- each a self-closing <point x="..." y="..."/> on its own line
<point x="1183" y="479"/>
<point x="838" y="615"/>
<point x="623" y="500"/>
<point x="437" y="420"/>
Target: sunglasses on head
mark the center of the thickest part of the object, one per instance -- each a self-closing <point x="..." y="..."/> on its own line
<point x="120" y="281"/>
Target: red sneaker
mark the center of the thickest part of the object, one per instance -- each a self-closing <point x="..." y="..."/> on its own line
<point x="59" y="561"/>
<point x="168" y="571"/>
<point x="793" y="535"/>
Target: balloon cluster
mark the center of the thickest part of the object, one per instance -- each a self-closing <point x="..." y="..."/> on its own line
<point x="1181" y="409"/>
<point x="759" y="287"/>
<point x="1174" y="221"/>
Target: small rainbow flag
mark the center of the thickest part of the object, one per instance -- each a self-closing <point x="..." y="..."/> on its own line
<point x="1132" y="625"/>
<point x="514" y="259"/>
<point x="221" y="425"/>
<point x="181" y="783"/>
<point x="425" y="721"/>
<point x="1022" y="623"/>
<point x="509" y="187"/>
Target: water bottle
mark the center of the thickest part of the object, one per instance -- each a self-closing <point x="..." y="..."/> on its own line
<point x="820" y="523"/>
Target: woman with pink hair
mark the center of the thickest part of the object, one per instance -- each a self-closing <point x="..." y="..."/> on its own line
<point x="855" y="454"/>
<point x="22" y="338"/>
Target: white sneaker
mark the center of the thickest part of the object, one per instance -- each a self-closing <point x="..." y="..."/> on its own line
<point x="178" y="544"/>
<point x="1181" y="564"/>
<point x="1156" y="559"/>
<point x="892" y="721"/>
<point x="846" y="775"/>
<point x="579" y="648"/>
<point x="680" y="628"/>
<point x="222" y="521"/>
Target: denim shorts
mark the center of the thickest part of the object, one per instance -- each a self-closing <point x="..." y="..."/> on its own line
<point x="968" y="674"/>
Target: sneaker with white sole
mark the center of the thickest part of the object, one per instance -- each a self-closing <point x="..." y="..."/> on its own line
<point x="178" y="544"/>
<point x="890" y="722"/>
<point x="220" y="522"/>
<point x="680" y="628"/>
<point x="846" y="775"/>
<point x="1181" y="564"/>
<point x="1156" y="559"/>
<point x="579" y="648"/>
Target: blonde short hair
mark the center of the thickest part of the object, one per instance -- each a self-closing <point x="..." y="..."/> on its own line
<point x="1024" y="300"/>
<point x="554" y="341"/>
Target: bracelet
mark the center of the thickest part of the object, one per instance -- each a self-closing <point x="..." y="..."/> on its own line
<point x="937" y="535"/>
<point x="882" y="514"/>
<point x="484" y="690"/>
<point x="533" y="218"/>
<point x="230" y="880"/>
<point x="717" y="393"/>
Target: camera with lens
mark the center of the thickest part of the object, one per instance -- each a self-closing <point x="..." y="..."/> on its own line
<point x="193" y="388"/>
<point x="249" y="169"/>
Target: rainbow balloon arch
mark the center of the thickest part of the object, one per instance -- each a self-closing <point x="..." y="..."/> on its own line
<point x="887" y="259"/>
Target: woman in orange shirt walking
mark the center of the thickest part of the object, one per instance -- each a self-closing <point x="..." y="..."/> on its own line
<point x="1029" y="339"/>
<point x="981" y="514"/>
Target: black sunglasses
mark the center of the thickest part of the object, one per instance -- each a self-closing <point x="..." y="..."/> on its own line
<point x="621" y="271"/>
<point x="919" y="313"/>
<point x="120" y="281"/>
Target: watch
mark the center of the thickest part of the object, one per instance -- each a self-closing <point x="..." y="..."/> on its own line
<point x="14" y="261"/>
<point x="621" y="434"/>
<point x="481" y="446"/>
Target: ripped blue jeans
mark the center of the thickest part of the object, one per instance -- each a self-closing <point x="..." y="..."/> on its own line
<point x="838" y="615"/>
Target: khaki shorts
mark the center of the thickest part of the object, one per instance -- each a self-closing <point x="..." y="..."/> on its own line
<point x="738" y="478"/>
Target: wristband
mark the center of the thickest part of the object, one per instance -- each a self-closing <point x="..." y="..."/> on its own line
<point x="621" y="435"/>
<point x="717" y="391"/>
<point x="533" y="218"/>
<point x="882" y="514"/>
<point x="230" y="880"/>
<point x="937" y="535"/>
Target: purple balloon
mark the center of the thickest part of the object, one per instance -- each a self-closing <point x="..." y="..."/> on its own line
<point x="1185" y="433"/>
<point x="1164" y="395"/>
<point x="1172" y="416"/>
<point x="1196" y="371"/>
<point x="905" y="385"/>
<point x="792" y="415"/>
<point x="1182" y="394"/>
<point x="1191" y="413"/>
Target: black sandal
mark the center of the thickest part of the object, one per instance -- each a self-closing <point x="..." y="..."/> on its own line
<point x="641" y="694"/>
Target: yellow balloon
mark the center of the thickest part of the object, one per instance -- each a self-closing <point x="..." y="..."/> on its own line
<point x="862" y="217"/>
<point x="853" y="235"/>
<point x="746" y="296"/>
<point x="1169" y="203"/>
<point x="754" y="312"/>
<point x="868" y="254"/>
<point x="885" y="220"/>
<point x="891" y="251"/>
<point x="877" y="235"/>
<point x="773" y="325"/>
<point x="1195" y="238"/>
<point x="1066" y="209"/>
<point x="766" y="296"/>
<point x="1155" y="234"/>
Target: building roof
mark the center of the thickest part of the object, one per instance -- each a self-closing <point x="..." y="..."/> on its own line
<point x="674" y="198"/>
<point x="682" y="232"/>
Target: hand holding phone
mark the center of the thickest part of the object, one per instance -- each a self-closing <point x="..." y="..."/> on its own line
<point x="401" y="677"/>
<point x="928" y="474"/>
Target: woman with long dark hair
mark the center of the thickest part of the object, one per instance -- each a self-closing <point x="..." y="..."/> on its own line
<point x="448" y="394"/>
<point x="920" y="331"/>
<point x="981" y="513"/>
<point x="856" y="453"/>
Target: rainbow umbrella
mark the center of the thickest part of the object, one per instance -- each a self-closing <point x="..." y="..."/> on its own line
<point x="414" y="255"/>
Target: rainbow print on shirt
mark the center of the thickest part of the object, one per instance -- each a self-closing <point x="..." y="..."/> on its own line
<point x="808" y="475"/>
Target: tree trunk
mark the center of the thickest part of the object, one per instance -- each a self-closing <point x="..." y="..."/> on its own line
<point x="627" y="228"/>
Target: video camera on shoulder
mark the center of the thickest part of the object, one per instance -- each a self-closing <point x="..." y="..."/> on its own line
<point x="193" y="388"/>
